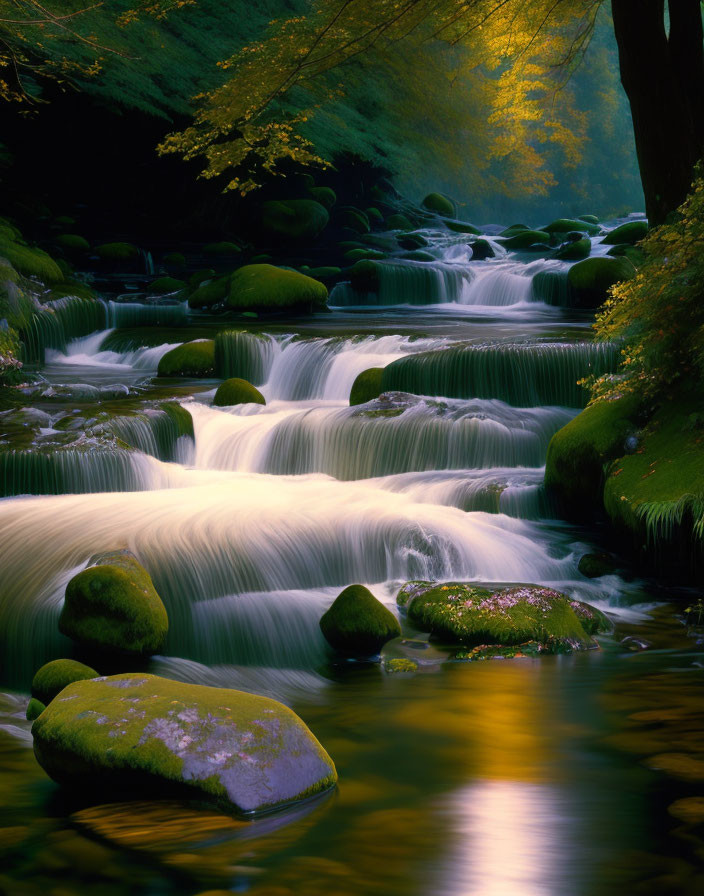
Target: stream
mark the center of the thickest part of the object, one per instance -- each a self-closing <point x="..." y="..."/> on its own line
<point x="562" y="775"/>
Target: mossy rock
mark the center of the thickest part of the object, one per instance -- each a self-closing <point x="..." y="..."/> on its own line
<point x="412" y="241"/>
<point x="261" y="258"/>
<point x="237" y="391"/>
<point x="418" y="255"/>
<point x="632" y="232"/>
<point x="327" y="272"/>
<point x="591" y="279"/>
<point x="72" y="287"/>
<point x="575" y="251"/>
<point x="353" y="219"/>
<point x="53" y="677"/>
<point x="564" y="225"/>
<point x="224" y="247"/>
<point x="588" y="219"/>
<point x="293" y="219"/>
<point x="374" y="214"/>
<point x="72" y="243"/>
<point x="579" y="453"/>
<point x="141" y="734"/>
<point x="357" y="623"/>
<point x="634" y="254"/>
<point x="398" y="222"/>
<point x="593" y="566"/>
<point x="166" y="285"/>
<point x="210" y="292"/>
<point x="31" y="262"/>
<point x="461" y="227"/>
<point x="353" y="255"/>
<point x="513" y="230"/>
<point x="261" y="287"/>
<point x="525" y="239"/>
<point x="175" y="260"/>
<point x="367" y="386"/>
<point x="472" y="615"/>
<point x="180" y="417"/>
<point x="112" y="606"/>
<point x="192" y="359"/>
<point x="364" y="276"/>
<point x="481" y="250"/>
<point x="200" y="276"/>
<point x="117" y="252"/>
<point x="34" y="709"/>
<point x="324" y="195"/>
<point x="441" y="205"/>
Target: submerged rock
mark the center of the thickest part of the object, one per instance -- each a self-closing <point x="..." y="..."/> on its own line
<point x="54" y="676"/>
<point x="237" y="391"/>
<point x="128" y="733"/>
<point x="113" y="606"/>
<point x="357" y="623"/>
<point x="494" y="616"/>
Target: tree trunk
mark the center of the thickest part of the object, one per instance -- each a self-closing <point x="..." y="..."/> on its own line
<point x="663" y="76"/>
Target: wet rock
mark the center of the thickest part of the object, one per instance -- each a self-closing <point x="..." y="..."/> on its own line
<point x="597" y="564"/>
<point x="481" y="250"/>
<point x="357" y="623"/>
<point x="237" y="391"/>
<point x="133" y="732"/>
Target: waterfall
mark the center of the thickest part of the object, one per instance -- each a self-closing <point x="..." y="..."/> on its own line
<point x="408" y="283"/>
<point x="376" y="439"/>
<point x="249" y="356"/>
<point x="165" y="433"/>
<point x="523" y="374"/>
<point x="59" y="322"/>
<point x="136" y="314"/>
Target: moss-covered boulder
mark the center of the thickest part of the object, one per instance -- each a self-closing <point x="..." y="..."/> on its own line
<point x="34" y="709"/>
<point x="564" y="225"/>
<point x="166" y="285"/>
<point x="237" y="391"/>
<point x="441" y="205"/>
<point x="412" y="241"/>
<point x="357" y="623"/>
<point x="135" y="734"/>
<point x="261" y="287"/>
<point x="473" y="615"/>
<point x="634" y="254"/>
<point x="353" y="255"/>
<point x="590" y="280"/>
<point x="30" y="262"/>
<point x="175" y="260"/>
<point x="575" y="250"/>
<point x="192" y="359"/>
<point x="327" y="272"/>
<point x="595" y="565"/>
<point x="364" y="276"/>
<point x="72" y="243"/>
<point x="525" y="239"/>
<point x="374" y="215"/>
<point x="418" y="255"/>
<point x="461" y="227"/>
<point x="53" y="677"/>
<point x="398" y="222"/>
<point x="324" y="195"/>
<point x="117" y="252"/>
<point x="481" y="250"/>
<point x="588" y="219"/>
<point x="223" y="247"/>
<point x="513" y="230"/>
<point x="209" y="292"/>
<point x="367" y="386"/>
<point x="292" y="219"/>
<point x="579" y="453"/>
<point x="200" y="276"/>
<point x="112" y="606"/>
<point x="632" y="232"/>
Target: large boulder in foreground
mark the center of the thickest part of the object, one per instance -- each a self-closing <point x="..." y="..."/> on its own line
<point x="264" y="287"/>
<point x="357" y="623"/>
<point x="479" y="616"/>
<point x="54" y="676"/>
<point x="131" y="733"/>
<point x="113" y="606"/>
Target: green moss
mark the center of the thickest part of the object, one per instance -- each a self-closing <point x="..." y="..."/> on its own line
<point x="632" y="232"/>
<point x="460" y="227"/>
<point x="591" y="279"/>
<point x="30" y="262"/>
<point x="72" y="243"/>
<point x="657" y="492"/>
<point x="72" y="287"/>
<point x="354" y="219"/>
<point x="330" y="272"/>
<point x="364" y="276"/>
<point x="112" y="606"/>
<point x="165" y="285"/>
<point x="513" y="230"/>
<point x="441" y="205"/>
<point x="34" y="709"/>
<point x="579" y="452"/>
<point x="175" y="260"/>
<point x="180" y="417"/>
<point x="374" y="214"/>
<point x="524" y="239"/>
<point x="412" y="241"/>
<point x="210" y="292"/>
<point x="367" y="386"/>
<point x="237" y="391"/>
<point x="357" y="623"/>
<point x="140" y="734"/>
<point x="222" y="248"/>
<point x="192" y="359"/>
<point x="353" y="255"/>
<point x="565" y="225"/>
<point x="261" y="287"/>
<point x="54" y="676"/>
<point x="588" y="219"/>
<point x="324" y="195"/>
<point x="574" y="251"/>
<point x="633" y="253"/>
<point x="400" y="666"/>
<point x="474" y="615"/>
<point x="418" y="255"/>
<point x="293" y="219"/>
<point x="198" y="277"/>
<point x="117" y="252"/>
<point x="398" y="222"/>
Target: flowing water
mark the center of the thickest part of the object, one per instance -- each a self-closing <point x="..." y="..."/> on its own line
<point x="578" y="774"/>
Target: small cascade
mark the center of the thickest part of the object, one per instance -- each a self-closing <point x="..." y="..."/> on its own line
<point x="137" y="314"/>
<point x="499" y="284"/>
<point x="164" y="433"/>
<point x="408" y="283"/>
<point x="403" y="434"/>
<point x="523" y="374"/>
<point x="58" y="323"/>
<point x="249" y="356"/>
